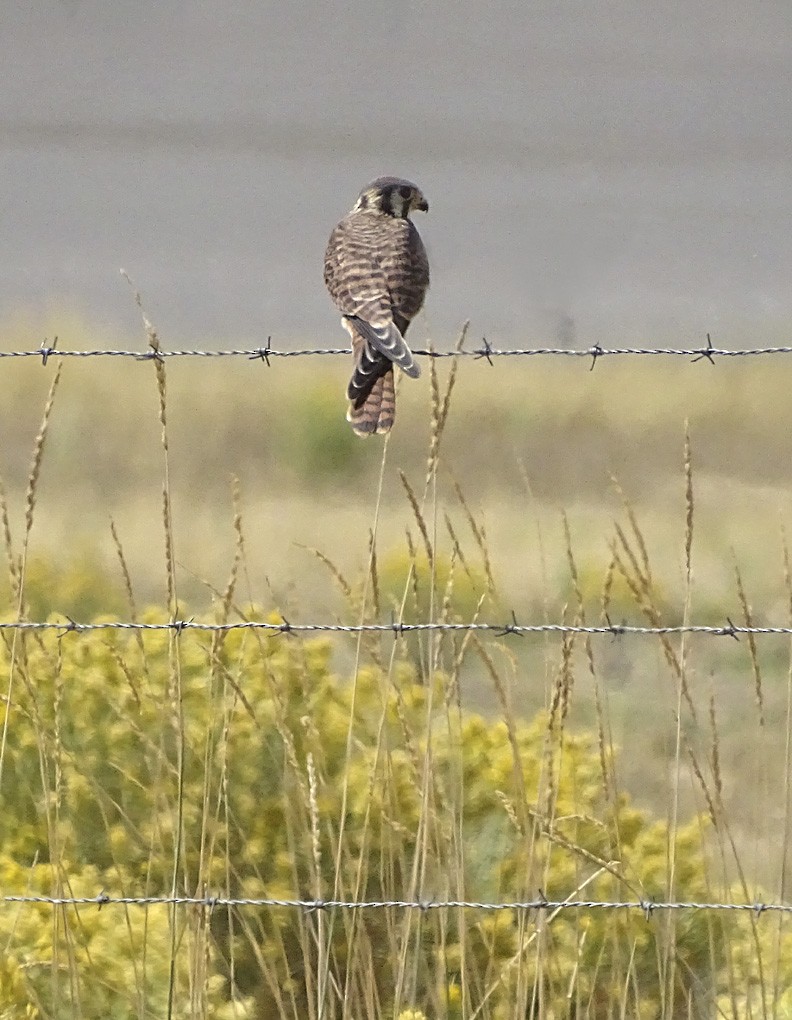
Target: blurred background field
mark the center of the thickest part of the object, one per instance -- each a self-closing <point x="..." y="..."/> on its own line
<point x="557" y="494"/>
<point x="526" y="439"/>
<point x="528" y="442"/>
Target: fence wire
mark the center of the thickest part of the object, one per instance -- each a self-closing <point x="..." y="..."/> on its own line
<point x="646" y="907"/>
<point x="485" y="352"/>
<point x="396" y="628"/>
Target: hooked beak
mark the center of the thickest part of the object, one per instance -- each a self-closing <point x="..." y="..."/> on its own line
<point x="422" y="205"/>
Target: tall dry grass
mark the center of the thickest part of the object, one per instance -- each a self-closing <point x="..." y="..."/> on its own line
<point x="696" y="728"/>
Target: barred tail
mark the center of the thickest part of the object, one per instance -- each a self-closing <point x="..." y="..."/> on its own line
<point x="376" y="411"/>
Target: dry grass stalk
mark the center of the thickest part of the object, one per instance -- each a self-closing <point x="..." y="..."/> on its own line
<point x="419" y="518"/>
<point x="127" y="577"/>
<point x="445" y="609"/>
<point x="519" y="956"/>
<point x="374" y="575"/>
<point x="508" y="718"/>
<point x="175" y="679"/>
<point x="779" y="970"/>
<point x="641" y="586"/>
<point x="644" y="599"/>
<point x="38" y="453"/>
<point x="479" y="538"/>
<point x="637" y="532"/>
<point x="456" y="547"/>
<point x="227" y="598"/>
<point x="344" y="586"/>
<point x="715" y="749"/>
<point x="130" y="593"/>
<point x="554" y="835"/>
<point x="787" y="728"/>
<point x="608" y="778"/>
<point x="511" y="812"/>
<point x="441" y="405"/>
<point x="754" y="654"/>
<point x="322" y="963"/>
<point x="605" y="751"/>
<point x="607" y="589"/>
<point x="559" y="701"/>
<point x="13" y="566"/>
<point x="18" y="655"/>
<point x="689" y="508"/>
<point x="453" y="693"/>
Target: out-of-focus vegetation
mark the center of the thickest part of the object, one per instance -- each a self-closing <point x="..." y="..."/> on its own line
<point x="242" y="766"/>
<point x="454" y="766"/>
<point x="524" y="438"/>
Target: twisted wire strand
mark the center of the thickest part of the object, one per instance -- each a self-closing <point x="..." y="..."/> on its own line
<point x="486" y="352"/>
<point x="647" y="907"/>
<point x="396" y="628"/>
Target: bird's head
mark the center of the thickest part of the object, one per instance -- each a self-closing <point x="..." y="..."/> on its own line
<point x="392" y="196"/>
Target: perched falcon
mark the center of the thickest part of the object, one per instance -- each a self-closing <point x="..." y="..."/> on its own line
<point x="377" y="273"/>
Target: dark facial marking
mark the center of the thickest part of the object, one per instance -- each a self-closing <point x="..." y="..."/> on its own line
<point x="387" y="200"/>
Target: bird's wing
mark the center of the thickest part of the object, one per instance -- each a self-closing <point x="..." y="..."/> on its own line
<point x="357" y="283"/>
<point x="387" y="339"/>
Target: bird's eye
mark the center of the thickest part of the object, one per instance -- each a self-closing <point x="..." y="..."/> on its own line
<point x="405" y="192"/>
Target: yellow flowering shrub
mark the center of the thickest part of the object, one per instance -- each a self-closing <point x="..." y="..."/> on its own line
<point x="241" y="766"/>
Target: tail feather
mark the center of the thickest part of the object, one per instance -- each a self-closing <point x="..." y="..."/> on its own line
<point x="369" y="366"/>
<point x="388" y="340"/>
<point x="371" y="391"/>
<point x="375" y="412"/>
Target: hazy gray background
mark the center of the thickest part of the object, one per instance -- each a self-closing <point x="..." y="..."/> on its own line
<point x="595" y="171"/>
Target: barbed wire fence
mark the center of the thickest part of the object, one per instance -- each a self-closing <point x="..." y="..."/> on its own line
<point x="646" y="907"/>
<point x="397" y="628"/>
<point x="487" y="354"/>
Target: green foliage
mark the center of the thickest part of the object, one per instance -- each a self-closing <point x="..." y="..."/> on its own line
<point x="321" y="445"/>
<point x="263" y="774"/>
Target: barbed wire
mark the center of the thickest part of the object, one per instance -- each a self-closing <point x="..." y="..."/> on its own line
<point x="396" y="628"/>
<point x="485" y="352"/>
<point x="646" y="907"/>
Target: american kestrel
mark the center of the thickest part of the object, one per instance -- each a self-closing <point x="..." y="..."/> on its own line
<point x="377" y="273"/>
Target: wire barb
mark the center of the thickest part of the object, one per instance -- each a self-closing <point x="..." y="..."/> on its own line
<point x="705" y="352"/>
<point x="68" y="628"/>
<point x="47" y="348"/>
<point x="263" y="353"/>
<point x="484" y="352"/>
<point x="596" y="352"/>
<point x="511" y="628"/>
